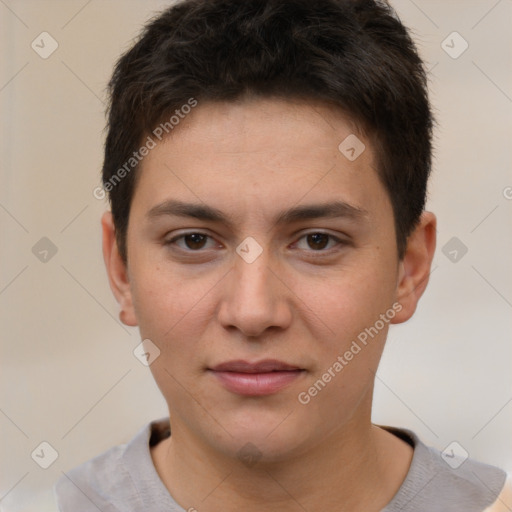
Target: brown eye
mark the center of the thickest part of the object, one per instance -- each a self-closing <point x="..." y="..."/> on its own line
<point x="317" y="241"/>
<point x="195" y="240"/>
<point x="192" y="242"/>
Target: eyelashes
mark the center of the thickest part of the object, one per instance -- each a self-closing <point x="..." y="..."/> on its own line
<point x="198" y="242"/>
<point x="194" y="237"/>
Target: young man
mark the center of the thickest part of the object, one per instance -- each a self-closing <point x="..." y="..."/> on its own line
<point x="267" y="164"/>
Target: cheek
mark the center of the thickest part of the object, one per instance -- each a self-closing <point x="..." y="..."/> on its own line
<point x="172" y="313"/>
<point x="350" y="339"/>
<point x="169" y="307"/>
<point x="345" y="302"/>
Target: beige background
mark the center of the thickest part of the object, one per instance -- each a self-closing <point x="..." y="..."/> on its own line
<point x="68" y="374"/>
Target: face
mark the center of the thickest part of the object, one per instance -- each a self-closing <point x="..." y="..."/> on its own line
<point x="262" y="263"/>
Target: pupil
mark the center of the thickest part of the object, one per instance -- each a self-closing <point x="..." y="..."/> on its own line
<point x="319" y="240"/>
<point x="195" y="240"/>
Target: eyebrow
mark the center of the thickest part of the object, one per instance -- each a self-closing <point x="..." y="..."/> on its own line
<point x="204" y="212"/>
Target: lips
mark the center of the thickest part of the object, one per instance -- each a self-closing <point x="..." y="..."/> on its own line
<point x="268" y="365"/>
<point x="256" y="379"/>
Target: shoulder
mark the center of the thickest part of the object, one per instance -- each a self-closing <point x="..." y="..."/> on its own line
<point x="111" y="481"/>
<point x="448" y="480"/>
<point x="503" y="502"/>
<point x="89" y="485"/>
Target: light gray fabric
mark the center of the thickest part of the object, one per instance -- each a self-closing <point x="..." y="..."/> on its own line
<point x="124" y="479"/>
<point x="432" y="485"/>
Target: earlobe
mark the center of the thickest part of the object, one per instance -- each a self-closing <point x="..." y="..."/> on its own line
<point x="415" y="267"/>
<point x="117" y="271"/>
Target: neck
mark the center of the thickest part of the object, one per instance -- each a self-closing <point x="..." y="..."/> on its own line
<point x="336" y="474"/>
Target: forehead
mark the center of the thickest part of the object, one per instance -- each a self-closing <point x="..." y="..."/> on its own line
<point x="252" y="125"/>
<point x="265" y="152"/>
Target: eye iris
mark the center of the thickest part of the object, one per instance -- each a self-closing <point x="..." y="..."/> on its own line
<point x="318" y="240"/>
<point x="195" y="240"/>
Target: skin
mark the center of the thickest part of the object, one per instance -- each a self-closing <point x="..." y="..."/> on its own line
<point x="201" y="304"/>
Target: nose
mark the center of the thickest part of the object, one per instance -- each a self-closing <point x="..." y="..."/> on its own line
<point x="254" y="299"/>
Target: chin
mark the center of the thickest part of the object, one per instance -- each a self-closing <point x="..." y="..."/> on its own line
<point x="269" y="438"/>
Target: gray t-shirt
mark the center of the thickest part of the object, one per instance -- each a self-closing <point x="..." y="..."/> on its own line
<point x="124" y="479"/>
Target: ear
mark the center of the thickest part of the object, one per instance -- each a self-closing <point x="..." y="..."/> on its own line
<point x="117" y="271"/>
<point x="414" y="268"/>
